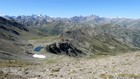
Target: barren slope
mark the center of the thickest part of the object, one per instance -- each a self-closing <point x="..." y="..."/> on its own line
<point x="124" y="66"/>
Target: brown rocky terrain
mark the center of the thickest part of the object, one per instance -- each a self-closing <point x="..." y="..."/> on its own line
<point x="121" y="66"/>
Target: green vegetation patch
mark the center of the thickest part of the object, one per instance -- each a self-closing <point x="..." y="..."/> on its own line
<point x="15" y="63"/>
<point x="133" y="76"/>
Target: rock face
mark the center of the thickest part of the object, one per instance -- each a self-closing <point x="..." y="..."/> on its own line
<point x="64" y="47"/>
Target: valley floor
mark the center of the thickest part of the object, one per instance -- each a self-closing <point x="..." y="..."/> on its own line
<point x="123" y="66"/>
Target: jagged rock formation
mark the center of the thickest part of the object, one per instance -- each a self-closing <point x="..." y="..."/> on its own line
<point x="64" y="47"/>
<point x="40" y="20"/>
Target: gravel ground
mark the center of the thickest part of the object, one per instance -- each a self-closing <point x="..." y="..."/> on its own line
<point x="122" y="66"/>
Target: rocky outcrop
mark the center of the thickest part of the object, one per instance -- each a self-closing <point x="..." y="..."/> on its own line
<point x="64" y="48"/>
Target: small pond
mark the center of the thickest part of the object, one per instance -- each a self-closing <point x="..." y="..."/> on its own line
<point x="38" y="49"/>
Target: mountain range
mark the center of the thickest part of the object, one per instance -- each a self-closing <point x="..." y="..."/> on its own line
<point x="92" y="19"/>
<point x="51" y="23"/>
<point x="76" y="36"/>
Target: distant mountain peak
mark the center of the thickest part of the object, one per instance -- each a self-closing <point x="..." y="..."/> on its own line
<point x="91" y="20"/>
